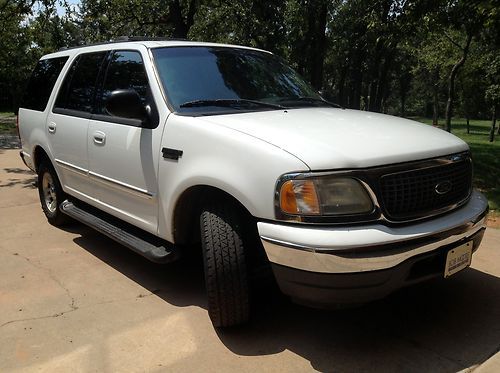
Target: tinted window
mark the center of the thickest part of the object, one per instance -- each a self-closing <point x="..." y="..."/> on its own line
<point x="126" y="71"/>
<point x="42" y="82"/>
<point x="201" y="73"/>
<point x="78" y="89"/>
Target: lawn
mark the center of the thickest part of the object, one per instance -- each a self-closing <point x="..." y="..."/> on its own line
<point x="485" y="154"/>
<point x="7" y="123"/>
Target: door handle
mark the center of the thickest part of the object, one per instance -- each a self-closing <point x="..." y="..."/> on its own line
<point x="99" y="138"/>
<point x="51" y="127"/>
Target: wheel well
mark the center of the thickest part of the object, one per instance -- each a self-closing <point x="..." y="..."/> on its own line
<point x="188" y="209"/>
<point x="186" y="223"/>
<point x="38" y="156"/>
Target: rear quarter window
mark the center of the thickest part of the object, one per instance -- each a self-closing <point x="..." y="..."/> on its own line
<point x="42" y="82"/>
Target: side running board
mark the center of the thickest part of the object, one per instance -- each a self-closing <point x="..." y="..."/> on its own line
<point x="157" y="252"/>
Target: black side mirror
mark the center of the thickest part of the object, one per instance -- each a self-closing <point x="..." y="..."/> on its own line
<point x="126" y="103"/>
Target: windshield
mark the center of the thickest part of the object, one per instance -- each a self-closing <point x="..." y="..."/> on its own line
<point x="215" y="79"/>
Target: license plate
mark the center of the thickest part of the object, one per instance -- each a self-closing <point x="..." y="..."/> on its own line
<point x="458" y="258"/>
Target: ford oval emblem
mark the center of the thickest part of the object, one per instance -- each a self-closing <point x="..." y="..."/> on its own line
<point x="443" y="187"/>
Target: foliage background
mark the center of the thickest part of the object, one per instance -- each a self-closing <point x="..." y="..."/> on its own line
<point x="394" y="56"/>
<point x="419" y="58"/>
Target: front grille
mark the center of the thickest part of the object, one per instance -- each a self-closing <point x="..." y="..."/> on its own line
<point x="413" y="194"/>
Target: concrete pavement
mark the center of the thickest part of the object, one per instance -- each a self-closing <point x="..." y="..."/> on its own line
<point x="74" y="300"/>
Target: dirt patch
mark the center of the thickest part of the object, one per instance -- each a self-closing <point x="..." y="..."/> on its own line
<point x="493" y="220"/>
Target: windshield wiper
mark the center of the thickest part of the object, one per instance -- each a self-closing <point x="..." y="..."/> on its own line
<point x="230" y="102"/>
<point x="312" y="100"/>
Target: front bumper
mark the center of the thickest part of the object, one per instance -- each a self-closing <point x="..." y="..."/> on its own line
<point x="356" y="264"/>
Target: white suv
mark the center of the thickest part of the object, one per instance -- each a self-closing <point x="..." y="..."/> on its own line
<point x="162" y="145"/>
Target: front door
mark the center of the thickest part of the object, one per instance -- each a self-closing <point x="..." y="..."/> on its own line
<point x="123" y="155"/>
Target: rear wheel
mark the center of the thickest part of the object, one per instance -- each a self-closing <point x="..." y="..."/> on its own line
<point x="51" y="194"/>
<point x="225" y="267"/>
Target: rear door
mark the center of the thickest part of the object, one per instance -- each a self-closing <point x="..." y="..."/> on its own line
<point x="33" y="108"/>
<point x="67" y="123"/>
<point x="123" y="155"/>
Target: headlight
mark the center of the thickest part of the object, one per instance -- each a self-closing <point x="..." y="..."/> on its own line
<point x="327" y="195"/>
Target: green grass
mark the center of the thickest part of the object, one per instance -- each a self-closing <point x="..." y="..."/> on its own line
<point x="485" y="154"/>
<point x="7" y="123"/>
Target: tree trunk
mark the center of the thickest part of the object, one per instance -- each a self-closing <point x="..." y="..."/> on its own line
<point x="403" y="104"/>
<point x="468" y="128"/>
<point x="451" y="82"/>
<point x="317" y="23"/>
<point x="404" y="87"/>
<point x="493" y="122"/>
<point x="435" y="107"/>
<point x="383" y="83"/>
<point x="342" y="100"/>
<point x="357" y="83"/>
<point x="181" y="26"/>
<point x="373" y="75"/>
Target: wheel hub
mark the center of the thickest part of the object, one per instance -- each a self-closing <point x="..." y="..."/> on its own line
<point x="49" y="192"/>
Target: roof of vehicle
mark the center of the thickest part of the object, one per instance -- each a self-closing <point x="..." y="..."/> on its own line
<point x="128" y="42"/>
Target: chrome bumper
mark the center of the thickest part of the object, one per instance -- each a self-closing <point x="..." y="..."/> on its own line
<point x="370" y="247"/>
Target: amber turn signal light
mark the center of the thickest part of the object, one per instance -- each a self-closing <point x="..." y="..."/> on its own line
<point x="299" y="197"/>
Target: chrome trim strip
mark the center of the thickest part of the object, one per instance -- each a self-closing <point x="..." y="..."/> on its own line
<point x="122" y="186"/>
<point x="290" y="245"/>
<point x="72" y="167"/>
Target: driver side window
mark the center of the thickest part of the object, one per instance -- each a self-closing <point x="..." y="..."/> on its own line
<point x="125" y="72"/>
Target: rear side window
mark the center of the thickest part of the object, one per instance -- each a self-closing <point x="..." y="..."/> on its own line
<point x="42" y="82"/>
<point x="78" y="90"/>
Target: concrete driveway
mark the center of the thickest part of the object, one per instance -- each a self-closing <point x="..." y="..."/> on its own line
<point x="74" y="300"/>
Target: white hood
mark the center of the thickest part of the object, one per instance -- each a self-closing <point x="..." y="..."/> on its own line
<point x="330" y="138"/>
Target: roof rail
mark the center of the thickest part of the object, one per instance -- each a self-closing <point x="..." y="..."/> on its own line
<point x="122" y="39"/>
<point x="146" y="38"/>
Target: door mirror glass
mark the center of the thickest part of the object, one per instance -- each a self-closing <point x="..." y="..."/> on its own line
<point x="126" y="103"/>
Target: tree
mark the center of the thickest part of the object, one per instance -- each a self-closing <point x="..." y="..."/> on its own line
<point x="469" y="17"/>
<point x="493" y="91"/>
<point x="412" y="57"/>
<point x="106" y="20"/>
<point x="257" y="24"/>
<point x="464" y="49"/>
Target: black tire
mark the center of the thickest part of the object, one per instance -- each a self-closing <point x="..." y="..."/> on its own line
<point x="225" y="268"/>
<point x="51" y="194"/>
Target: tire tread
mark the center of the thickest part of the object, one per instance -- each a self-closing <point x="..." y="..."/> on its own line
<point x="225" y="268"/>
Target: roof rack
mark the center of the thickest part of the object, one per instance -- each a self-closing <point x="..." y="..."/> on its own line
<point x="122" y="39"/>
<point x="146" y="38"/>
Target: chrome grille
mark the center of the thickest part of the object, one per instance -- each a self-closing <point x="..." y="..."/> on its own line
<point x="419" y="192"/>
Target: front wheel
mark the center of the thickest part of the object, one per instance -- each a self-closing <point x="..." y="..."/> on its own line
<point x="225" y="268"/>
<point x="51" y="194"/>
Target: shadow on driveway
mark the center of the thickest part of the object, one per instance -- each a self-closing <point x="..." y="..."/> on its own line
<point x="439" y="326"/>
<point x="16" y="176"/>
